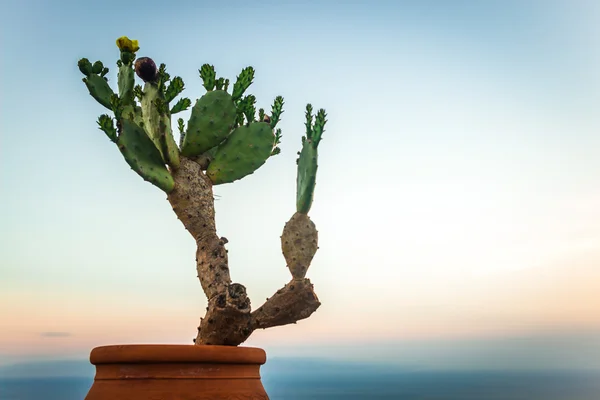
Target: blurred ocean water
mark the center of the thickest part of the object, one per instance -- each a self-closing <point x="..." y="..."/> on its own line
<point x="321" y="385"/>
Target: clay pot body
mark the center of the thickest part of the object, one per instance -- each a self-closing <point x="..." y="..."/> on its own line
<point x="177" y="372"/>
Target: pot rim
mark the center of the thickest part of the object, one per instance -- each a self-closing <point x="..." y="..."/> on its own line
<point x="176" y="353"/>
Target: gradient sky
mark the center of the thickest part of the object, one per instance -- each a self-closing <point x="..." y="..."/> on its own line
<point x="457" y="194"/>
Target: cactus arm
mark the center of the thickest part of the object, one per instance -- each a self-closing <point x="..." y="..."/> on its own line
<point x="299" y="240"/>
<point x="106" y="124"/>
<point x="242" y="83"/>
<point x="175" y="87"/>
<point x="125" y="76"/>
<point x="208" y="75"/>
<point x="182" y="104"/>
<point x="294" y="302"/>
<point x="157" y="123"/>
<point x="150" y="113"/>
<point x="306" y="178"/>
<point x="126" y="83"/>
<point x="307" y="162"/>
<point x="276" y="111"/>
<point x="99" y="89"/>
<point x="142" y="156"/>
<point x="95" y="81"/>
<point x="299" y="243"/>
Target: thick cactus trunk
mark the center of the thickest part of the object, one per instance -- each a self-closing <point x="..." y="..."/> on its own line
<point x="228" y="319"/>
<point x="193" y="202"/>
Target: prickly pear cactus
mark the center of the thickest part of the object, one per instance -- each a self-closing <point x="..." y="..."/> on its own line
<point x="222" y="142"/>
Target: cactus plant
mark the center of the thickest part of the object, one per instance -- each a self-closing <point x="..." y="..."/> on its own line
<point x="222" y="142"/>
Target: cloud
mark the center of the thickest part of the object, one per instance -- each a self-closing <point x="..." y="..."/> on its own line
<point x="55" y="334"/>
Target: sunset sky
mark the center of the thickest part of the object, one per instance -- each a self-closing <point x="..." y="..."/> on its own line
<point x="457" y="198"/>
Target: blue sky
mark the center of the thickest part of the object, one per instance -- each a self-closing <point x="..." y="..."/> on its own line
<point x="458" y="177"/>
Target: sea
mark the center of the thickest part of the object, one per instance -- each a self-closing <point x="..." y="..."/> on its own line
<point x="335" y="382"/>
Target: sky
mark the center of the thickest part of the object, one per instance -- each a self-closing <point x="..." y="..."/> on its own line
<point x="457" y="192"/>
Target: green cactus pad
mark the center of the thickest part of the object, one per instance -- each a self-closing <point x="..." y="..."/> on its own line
<point x="157" y="124"/>
<point x="85" y="66"/>
<point x="210" y="123"/>
<point x="167" y="141"/>
<point x="175" y="88"/>
<point x="126" y="82"/>
<point x="99" y="89"/>
<point x="142" y="155"/>
<point x="245" y="150"/>
<point x="209" y="76"/>
<point x="307" y="177"/>
<point x="242" y="83"/>
<point x="299" y="244"/>
<point x="307" y="162"/>
<point x="182" y="104"/>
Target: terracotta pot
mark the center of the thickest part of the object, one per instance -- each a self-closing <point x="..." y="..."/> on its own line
<point x="177" y="372"/>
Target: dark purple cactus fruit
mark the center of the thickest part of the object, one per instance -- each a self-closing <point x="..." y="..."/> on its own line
<point x="146" y="69"/>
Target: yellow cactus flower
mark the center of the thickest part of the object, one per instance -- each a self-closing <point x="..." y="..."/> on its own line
<point x="126" y="44"/>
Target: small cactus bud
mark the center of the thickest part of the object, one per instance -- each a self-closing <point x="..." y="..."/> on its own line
<point x="97" y="67"/>
<point x="85" y="66"/>
<point x="146" y="69"/>
<point x="267" y="119"/>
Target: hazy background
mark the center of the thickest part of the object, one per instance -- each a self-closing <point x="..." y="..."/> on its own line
<point x="456" y="200"/>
